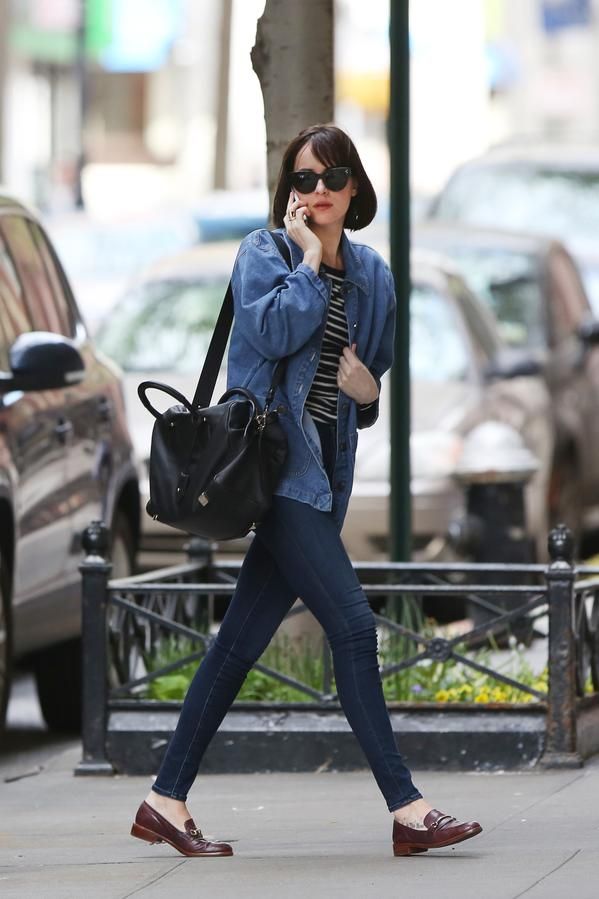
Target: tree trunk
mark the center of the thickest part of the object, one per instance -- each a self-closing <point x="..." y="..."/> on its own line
<point x="293" y="59"/>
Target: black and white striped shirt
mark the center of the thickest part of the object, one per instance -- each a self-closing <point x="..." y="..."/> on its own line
<point x="321" y="401"/>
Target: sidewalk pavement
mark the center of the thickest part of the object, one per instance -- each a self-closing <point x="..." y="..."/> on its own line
<point x="297" y="835"/>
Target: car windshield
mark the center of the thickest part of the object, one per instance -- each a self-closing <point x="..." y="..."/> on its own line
<point x="438" y="350"/>
<point x="162" y="326"/>
<point x="508" y="283"/>
<point x="539" y="199"/>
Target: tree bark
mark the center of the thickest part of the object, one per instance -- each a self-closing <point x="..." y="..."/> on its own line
<point x="293" y="59"/>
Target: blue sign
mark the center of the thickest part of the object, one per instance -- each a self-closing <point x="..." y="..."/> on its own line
<point x="142" y="34"/>
<point x="558" y="14"/>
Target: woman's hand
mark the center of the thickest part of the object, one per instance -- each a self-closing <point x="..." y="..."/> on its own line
<point x="354" y="379"/>
<point x="300" y="233"/>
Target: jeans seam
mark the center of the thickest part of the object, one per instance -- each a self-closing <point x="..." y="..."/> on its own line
<point x="224" y="662"/>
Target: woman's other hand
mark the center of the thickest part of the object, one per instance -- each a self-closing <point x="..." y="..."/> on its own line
<point x="298" y="230"/>
<point x="354" y="379"/>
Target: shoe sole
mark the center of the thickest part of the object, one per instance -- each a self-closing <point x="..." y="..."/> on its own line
<point x="403" y="849"/>
<point x="142" y="833"/>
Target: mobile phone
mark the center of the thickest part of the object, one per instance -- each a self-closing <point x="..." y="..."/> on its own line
<point x="296" y="200"/>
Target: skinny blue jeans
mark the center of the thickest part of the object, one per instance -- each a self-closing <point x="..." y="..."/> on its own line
<point x="297" y="551"/>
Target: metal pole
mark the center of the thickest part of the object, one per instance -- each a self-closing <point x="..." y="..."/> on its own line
<point x="560" y="743"/>
<point x="399" y="236"/>
<point x="95" y="572"/>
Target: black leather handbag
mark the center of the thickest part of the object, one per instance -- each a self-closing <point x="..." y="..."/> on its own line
<point x="213" y="469"/>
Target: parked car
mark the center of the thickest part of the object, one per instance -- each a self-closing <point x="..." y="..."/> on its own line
<point x="65" y="458"/>
<point x="462" y="375"/>
<point x="533" y="287"/>
<point x="161" y="328"/>
<point x="548" y="189"/>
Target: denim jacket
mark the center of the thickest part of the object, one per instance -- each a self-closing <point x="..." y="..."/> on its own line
<point x="282" y="313"/>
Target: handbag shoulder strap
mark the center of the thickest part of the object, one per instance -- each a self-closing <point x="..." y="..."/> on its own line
<point x="214" y="357"/>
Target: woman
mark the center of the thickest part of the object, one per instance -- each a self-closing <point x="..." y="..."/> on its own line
<point x="306" y="313"/>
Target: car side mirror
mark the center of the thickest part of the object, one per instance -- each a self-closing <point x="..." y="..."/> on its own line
<point x="40" y="360"/>
<point x="588" y="332"/>
<point x="513" y="365"/>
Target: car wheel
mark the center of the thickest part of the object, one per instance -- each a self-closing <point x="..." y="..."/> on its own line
<point x="58" y="669"/>
<point x="5" y="639"/>
<point x="58" y="678"/>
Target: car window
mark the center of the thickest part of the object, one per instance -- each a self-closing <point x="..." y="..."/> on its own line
<point x="45" y="311"/>
<point x="57" y="279"/>
<point x="438" y="350"/>
<point x="8" y="274"/>
<point x="13" y="313"/>
<point x="527" y="197"/>
<point x="569" y="303"/>
<point x="162" y="326"/>
<point x="509" y="285"/>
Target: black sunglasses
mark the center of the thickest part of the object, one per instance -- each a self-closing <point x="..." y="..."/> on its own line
<point x="334" y="178"/>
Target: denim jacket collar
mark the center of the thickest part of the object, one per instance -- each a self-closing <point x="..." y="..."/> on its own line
<point x="354" y="269"/>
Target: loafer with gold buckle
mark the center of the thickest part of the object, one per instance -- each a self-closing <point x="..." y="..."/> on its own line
<point x="151" y="826"/>
<point x="441" y="830"/>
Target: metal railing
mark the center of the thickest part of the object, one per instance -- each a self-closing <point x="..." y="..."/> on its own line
<point x="125" y="620"/>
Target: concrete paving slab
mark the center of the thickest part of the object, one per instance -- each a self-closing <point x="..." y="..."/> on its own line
<point x="300" y="835"/>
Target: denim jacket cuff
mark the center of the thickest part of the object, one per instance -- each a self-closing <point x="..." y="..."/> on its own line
<point x="314" y="279"/>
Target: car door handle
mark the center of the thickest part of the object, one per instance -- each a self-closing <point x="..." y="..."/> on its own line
<point x="63" y="430"/>
<point x="104" y="409"/>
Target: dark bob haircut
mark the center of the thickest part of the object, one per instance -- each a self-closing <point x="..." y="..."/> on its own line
<point x="331" y="146"/>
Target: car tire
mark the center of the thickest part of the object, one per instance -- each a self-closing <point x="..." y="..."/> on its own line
<point x="58" y="669"/>
<point x="5" y="639"/>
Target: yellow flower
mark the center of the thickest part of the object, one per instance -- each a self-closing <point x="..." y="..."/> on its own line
<point x="442" y="696"/>
<point x="483" y="696"/>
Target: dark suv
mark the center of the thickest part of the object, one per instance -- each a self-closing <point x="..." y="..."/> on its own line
<point x="65" y="459"/>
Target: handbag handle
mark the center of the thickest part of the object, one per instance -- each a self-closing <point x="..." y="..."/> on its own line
<point x="165" y="388"/>
<point x="214" y="357"/>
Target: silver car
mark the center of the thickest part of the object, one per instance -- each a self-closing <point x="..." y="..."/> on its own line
<point x="549" y="189"/>
<point x="462" y="376"/>
<point x="160" y="330"/>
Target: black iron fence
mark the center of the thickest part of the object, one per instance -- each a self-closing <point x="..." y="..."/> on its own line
<point x="124" y="621"/>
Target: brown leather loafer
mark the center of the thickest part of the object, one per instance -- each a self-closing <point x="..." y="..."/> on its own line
<point x="441" y="830"/>
<point x="151" y="826"/>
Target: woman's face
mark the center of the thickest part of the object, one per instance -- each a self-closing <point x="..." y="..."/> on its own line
<point x="326" y="207"/>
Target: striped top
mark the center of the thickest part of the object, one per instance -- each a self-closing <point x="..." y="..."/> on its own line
<point x="321" y="401"/>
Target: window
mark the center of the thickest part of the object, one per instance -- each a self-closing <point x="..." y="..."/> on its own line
<point x="163" y="326"/>
<point x="57" y="279"/>
<point x="14" y="318"/>
<point x="48" y="312"/>
<point x="438" y="348"/>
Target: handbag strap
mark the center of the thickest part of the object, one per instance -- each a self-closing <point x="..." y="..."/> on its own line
<point x="214" y="357"/>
